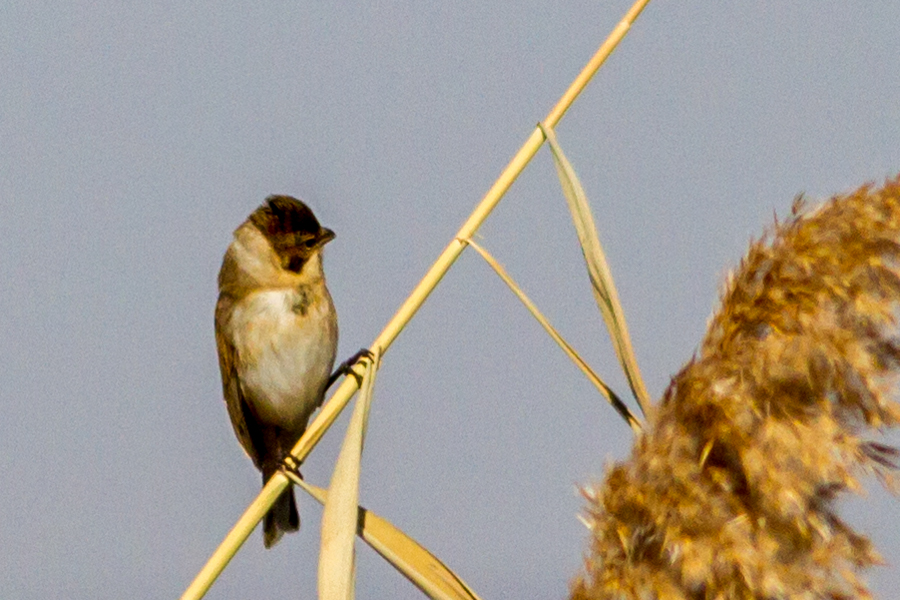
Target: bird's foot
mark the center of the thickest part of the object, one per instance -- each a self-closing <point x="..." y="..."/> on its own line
<point x="292" y="465"/>
<point x="346" y="367"/>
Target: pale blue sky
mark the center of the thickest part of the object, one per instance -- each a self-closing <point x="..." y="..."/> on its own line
<point x="134" y="137"/>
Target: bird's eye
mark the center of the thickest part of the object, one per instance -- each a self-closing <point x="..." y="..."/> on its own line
<point x="307" y="242"/>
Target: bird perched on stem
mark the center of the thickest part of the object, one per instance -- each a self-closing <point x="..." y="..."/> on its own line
<point x="276" y="333"/>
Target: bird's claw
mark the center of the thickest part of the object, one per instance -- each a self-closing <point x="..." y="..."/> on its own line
<point x="346" y="367"/>
<point x="291" y="465"/>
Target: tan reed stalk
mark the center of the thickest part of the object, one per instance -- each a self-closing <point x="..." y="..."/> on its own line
<point x="598" y="270"/>
<point x="406" y="555"/>
<point x="731" y="492"/>
<point x="333" y="407"/>
<point x="601" y="386"/>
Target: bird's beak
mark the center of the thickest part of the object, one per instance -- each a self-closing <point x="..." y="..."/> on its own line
<point x="325" y="236"/>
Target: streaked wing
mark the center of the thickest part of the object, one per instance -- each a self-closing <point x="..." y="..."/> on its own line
<point x="245" y="425"/>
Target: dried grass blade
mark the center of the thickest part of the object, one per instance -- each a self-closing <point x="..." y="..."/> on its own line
<point x="604" y="389"/>
<point x="339" y="520"/>
<point x="598" y="270"/>
<point x="417" y="564"/>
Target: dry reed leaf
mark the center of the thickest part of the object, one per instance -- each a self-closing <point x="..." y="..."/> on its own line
<point x="598" y="270"/>
<point x="339" y="519"/>
<point x="601" y="386"/>
<point x="416" y="563"/>
<point x="730" y="493"/>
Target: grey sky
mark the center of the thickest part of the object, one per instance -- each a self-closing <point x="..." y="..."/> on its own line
<point x="134" y="137"/>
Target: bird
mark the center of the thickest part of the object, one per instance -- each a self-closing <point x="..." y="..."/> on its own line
<point x="276" y="335"/>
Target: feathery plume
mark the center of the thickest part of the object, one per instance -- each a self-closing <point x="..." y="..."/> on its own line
<point x="730" y="493"/>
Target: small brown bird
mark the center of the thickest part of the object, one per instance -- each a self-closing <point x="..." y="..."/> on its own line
<point x="276" y="332"/>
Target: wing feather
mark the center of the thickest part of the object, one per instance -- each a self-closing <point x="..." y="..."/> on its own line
<point x="246" y="427"/>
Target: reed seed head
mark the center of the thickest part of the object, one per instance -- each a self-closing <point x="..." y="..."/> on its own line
<point x="730" y="492"/>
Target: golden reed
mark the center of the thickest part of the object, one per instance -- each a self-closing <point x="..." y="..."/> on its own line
<point x="730" y="493"/>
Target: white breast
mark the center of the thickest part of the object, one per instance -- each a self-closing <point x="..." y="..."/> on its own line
<point x="284" y="357"/>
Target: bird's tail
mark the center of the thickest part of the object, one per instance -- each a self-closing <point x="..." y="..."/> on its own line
<point x="282" y="518"/>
